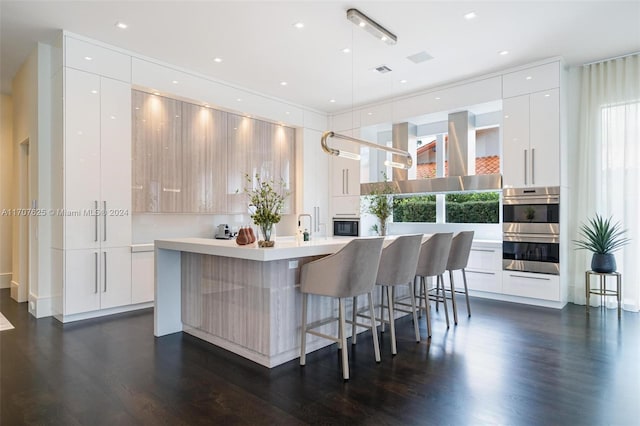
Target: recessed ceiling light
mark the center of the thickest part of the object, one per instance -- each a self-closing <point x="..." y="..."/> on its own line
<point x="283" y="83"/>
<point x="528" y="77"/>
<point x="299" y="25"/>
<point x="239" y="99"/>
<point x="332" y="101"/>
<point x="113" y="117"/>
<point x="287" y="112"/>
<point x="547" y="95"/>
<point x="346" y="50"/>
<point x="506" y="116"/>
<point x="88" y="58"/>
<point x="503" y="52"/>
<point x="369" y="113"/>
<point x="175" y="81"/>
<point x="437" y="98"/>
<point x="403" y="81"/>
<point x="218" y="60"/>
<point x="121" y="25"/>
<point x="470" y="15"/>
<point x="94" y="91"/>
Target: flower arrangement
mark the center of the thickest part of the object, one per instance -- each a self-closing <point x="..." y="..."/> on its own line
<point x="266" y="200"/>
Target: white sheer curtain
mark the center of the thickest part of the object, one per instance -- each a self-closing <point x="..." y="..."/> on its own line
<point x="606" y="176"/>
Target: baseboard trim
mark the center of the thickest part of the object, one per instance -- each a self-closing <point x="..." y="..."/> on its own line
<point x="101" y="313"/>
<point x="5" y="279"/>
<point x="15" y="291"/>
<point x="518" y="299"/>
<point x="40" y="307"/>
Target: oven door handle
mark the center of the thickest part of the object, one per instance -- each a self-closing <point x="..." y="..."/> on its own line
<point x="531" y="238"/>
<point x="530" y="200"/>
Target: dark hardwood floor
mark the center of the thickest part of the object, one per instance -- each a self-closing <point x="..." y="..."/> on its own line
<point x="507" y="364"/>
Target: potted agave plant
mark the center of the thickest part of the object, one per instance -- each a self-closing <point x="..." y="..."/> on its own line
<point x="602" y="237"/>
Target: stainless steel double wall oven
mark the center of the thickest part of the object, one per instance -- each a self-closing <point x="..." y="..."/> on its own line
<point x="531" y="230"/>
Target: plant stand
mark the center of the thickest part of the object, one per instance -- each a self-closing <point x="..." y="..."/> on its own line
<point x="602" y="291"/>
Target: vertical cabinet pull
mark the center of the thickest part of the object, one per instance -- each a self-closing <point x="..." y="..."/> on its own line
<point x="95" y="278"/>
<point x="525" y="166"/>
<point x="104" y="205"/>
<point x="105" y="271"/>
<point x="95" y="214"/>
<point x="347" y="191"/>
<point x="533" y="166"/>
<point x="344" y="179"/>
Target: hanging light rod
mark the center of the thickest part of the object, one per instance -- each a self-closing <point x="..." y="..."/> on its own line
<point x="371" y="26"/>
<point x="346" y="154"/>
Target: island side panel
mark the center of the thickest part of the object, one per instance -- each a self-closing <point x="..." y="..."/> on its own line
<point x="166" y="315"/>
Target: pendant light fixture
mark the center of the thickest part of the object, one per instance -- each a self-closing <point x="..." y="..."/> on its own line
<point x="371" y="26"/>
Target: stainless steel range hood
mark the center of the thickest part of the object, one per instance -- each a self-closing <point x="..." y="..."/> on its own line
<point x="461" y="159"/>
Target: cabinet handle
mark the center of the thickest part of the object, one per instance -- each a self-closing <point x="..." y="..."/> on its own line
<point x="95" y="278"/>
<point x="484" y="250"/>
<point x="95" y="213"/>
<point x="343" y="181"/>
<point x="347" y="191"/>
<point x="530" y="278"/>
<point x="525" y="166"/>
<point x="104" y="204"/>
<point x="480" y="272"/>
<point x="105" y="271"/>
<point x="533" y="166"/>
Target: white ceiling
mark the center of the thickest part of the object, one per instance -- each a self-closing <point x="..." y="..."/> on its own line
<point x="260" y="46"/>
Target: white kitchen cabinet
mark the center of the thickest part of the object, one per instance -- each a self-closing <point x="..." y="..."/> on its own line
<point x="531" y="80"/>
<point x="89" y="57"/>
<point x="346" y="206"/>
<point x="142" y="276"/>
<point x="315" y="195"/>
<point x="525" y="284"/>
<point x="97" y="279"/>
<point x="484" y="269"/>
<point x="97" y="148"/>
<point x="531" y="140"/>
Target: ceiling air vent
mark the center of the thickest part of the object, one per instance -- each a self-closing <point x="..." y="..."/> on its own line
<point x="419" y="57"/>
<point x="383" y="69"/>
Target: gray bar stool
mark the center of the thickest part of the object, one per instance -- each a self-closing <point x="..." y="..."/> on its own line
<point x="458" y="260"/>
<point x="350" y="272"/>
<point x="432" y="262"/>
<point x="398" y="263"/>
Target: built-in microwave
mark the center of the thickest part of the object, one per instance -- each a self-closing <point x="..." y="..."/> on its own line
<point x="346" y="227"/>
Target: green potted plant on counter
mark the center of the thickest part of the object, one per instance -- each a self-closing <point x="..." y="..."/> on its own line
<point x="379" y="203"/>
<point x="602" y="238"/>
<point x="266" y="199"/>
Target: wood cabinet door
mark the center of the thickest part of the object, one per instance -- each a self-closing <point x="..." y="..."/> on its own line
<point x="515" y="142"/>
<point x="115" y="162"/>
<point x="81" y="159"/>
<point x="204" y="157"/>
<point x="545" y="138"/>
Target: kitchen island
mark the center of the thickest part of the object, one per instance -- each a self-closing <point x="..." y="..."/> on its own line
<point x="242" y="298"/>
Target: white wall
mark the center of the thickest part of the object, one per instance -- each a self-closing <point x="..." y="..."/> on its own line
<point x="6" y="189"/>
<point x="31" y="235"/>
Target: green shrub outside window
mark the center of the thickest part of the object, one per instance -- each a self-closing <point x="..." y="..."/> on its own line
<point x="480" y="207"/>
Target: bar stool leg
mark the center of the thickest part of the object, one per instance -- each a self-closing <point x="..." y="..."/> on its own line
<point x="381" y="309"/>
<point x="427" y="308"/>
<point x="603" y="286"/>
<point x="343" y="340"/>
<point x="392" y="324"/>
<point x="453" y="297"/>
<point x="444" y="298"/>
<point x="354" y="311"/>
<point x="374" y="328"/>
<point x="416" y="328"/>
<point x="303" y="331"/>
<point x="466" y="292"/>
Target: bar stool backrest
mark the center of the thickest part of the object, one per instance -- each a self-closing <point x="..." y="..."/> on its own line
<point x="434" y="254"/>
<point x="460" y="250"/>
<point x="349" y="272"/>
<point x="399" y="260"/>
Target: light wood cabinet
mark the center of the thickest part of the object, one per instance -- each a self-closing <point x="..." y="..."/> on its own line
<point x="255" y="147"/>
<point x="204" y="165"/>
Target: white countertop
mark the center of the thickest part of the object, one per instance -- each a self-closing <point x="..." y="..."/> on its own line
<point x="283" y="249"/>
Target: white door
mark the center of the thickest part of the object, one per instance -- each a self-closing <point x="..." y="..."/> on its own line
<point x="515" y="141"/>
<point x="82" y="281"/>
<point x="81" y="159"/>
<point x="115" y="279"/>
<point x="115" y="163"/>
<point x="545" y="138"/>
